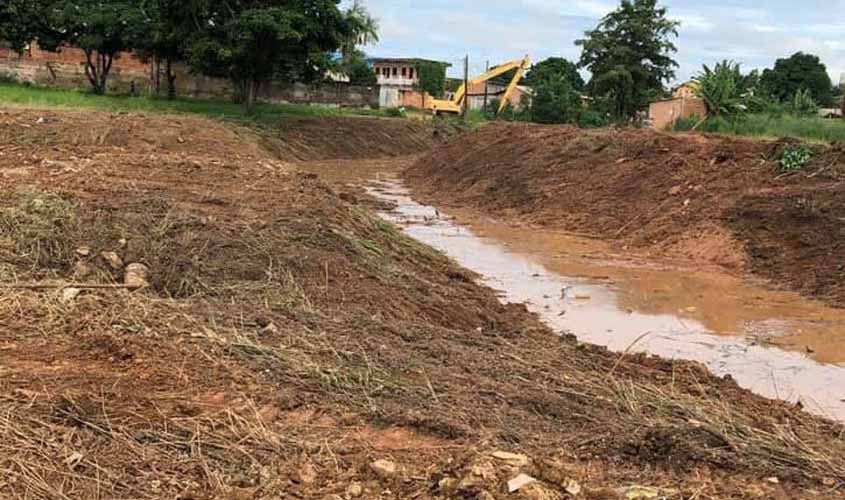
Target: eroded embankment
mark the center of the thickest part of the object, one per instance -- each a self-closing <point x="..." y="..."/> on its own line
<point x="291" y="343"/>
<point x="712" y="199"/>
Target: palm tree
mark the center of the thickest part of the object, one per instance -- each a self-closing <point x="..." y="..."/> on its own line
<point x="363" y="30"/>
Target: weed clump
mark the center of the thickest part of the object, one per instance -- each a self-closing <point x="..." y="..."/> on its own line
<point x="36" y="231"/>
<point x="794" y="159"/>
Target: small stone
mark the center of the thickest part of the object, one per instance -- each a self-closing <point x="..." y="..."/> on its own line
<point x="687" y="202"/>
<point x="572" y="487"/>
<point x="83" y="251"/>
<point x="354" y="490"/>
<point x="514" y="459"/>
<point x="307" y="474"/>
<point x="675" y="191"/>
<point x="384" y="468"/>
<point x="122" y="242"/>
<point x="81" y="269"/>
<point x="269" y="329"/>
<point x="519" y="482"/>
<point x="69" y="294"/>
<point x="113" y="259"/>
<point x="773" y="480"/>
<point x="137" y="276"/>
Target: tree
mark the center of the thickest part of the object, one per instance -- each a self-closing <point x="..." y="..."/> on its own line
<point x="431" y="77"/>
<point x="555" y="68"/>
<point x="722" y="89"/>
<point x="359" y="70"/>
<point x="629" y="55"/>
<point x="167" y="26"/>
<point x="254" y="41"/>
<point x="799" y="72"/>
<point x="361" y="29"/>
<point x="802" y="103"/>
<point x="102" y="29"/>
<point x="21" y="21"/>
<point x="557" y="88"/>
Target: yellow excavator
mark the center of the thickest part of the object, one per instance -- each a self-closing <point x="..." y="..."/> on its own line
<point x="438" y="106"/>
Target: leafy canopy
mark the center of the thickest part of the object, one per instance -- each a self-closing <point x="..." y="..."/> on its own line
<point x="723" y="89"/>
<point x="629" y="55"/>
<point x="799" y="72"/>
<point x="557" y="89"/>
<point x="431" y="77"/>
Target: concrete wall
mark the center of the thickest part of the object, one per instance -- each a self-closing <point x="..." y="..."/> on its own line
<point x="664" y="114"/>
<point x="66" y="69"/>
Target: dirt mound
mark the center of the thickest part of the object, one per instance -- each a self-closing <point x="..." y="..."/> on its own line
<point x="350" y="138"/>
<point x="710" y="199"/>
<point x="291" y="342"/>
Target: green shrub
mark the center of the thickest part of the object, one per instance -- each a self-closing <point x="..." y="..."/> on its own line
<point x="686" y="124"/>
<point x="396" y="112"/>
<point x="590" y="118"/>
<point x="795" y="158"/>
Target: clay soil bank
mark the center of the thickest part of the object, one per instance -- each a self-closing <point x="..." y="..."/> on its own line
<point x="703" y="199"/>
<point x="292" y="345"/>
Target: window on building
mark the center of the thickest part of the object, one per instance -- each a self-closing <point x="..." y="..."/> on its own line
<point x="395" y="71"/>
<point x="411" y="73"/>
<point x="404" y="72"/>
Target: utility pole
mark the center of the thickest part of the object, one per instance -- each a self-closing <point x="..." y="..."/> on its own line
<point x="466" y="87"/>
<point x="486" y="87"/>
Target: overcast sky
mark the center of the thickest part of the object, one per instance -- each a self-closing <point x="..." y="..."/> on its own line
<point x="754" y="33"/>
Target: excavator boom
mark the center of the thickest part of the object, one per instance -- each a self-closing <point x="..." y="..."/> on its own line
<point x="455" y="105"/>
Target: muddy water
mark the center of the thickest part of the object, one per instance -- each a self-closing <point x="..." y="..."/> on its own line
<point x="766" y="340"/>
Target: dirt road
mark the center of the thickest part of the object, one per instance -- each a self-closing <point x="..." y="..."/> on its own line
<point x="292" y="343"/>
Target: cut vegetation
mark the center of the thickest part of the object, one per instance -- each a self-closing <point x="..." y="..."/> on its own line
<point x="291" y="344"/>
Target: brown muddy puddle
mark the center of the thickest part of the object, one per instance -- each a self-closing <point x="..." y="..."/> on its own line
<point x="774" y="343"/>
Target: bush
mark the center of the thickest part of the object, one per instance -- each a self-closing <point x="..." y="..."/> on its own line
<point x="590" y="118"/>
<point x="795" y="158"/>
<point x="686" y="124"/>
<point x="396" y="112"/>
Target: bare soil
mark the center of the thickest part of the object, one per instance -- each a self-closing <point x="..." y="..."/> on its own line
<point x="711" y="199"/>
<point x="292" y="345"/>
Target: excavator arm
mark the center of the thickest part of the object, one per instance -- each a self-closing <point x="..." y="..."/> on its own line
<point x="455" y="105"/>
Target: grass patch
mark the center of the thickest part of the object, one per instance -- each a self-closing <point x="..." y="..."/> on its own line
<point x="772" y="126"/>
<point x="263" y="114"/>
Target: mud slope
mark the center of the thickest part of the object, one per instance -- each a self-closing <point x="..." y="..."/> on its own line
<point x="712" y="199"/>
<point x="309" y="138"/>
<point x="290" y="344"/>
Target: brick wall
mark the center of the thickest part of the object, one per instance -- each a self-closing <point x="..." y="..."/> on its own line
<point x="66" y="69"/>
<point x="664" y="114"/>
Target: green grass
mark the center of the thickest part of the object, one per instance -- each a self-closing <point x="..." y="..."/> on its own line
<point x="262" y="114"/>
<point x="769" y="126"/>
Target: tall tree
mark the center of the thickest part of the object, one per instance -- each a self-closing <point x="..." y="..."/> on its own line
<point x="556" y="68"/>
<point x="361" y="29"/>
<point x="557" y="87"/>
<point x="102" y="29"/>
<point x="254" y="41"/>
<point x="630" y="55"/>
<point x="799" y="72"/>
<point x="21" y="22"/>
<point x="168" y="26"/>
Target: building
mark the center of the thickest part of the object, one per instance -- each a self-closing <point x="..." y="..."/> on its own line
<point x="398" y="79"/>
<point x="683" y="104"/>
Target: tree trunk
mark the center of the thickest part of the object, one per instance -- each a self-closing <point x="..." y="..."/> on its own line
<point x="171" y="79"/>
<point x="92" y="71"/>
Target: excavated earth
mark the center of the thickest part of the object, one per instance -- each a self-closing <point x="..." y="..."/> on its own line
<point x="292" y="345"/>
<point x="708" y="199"/>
